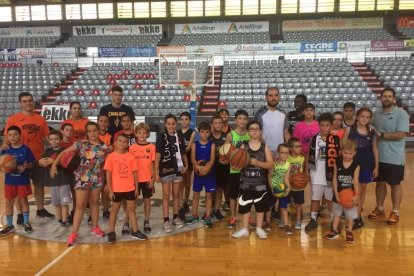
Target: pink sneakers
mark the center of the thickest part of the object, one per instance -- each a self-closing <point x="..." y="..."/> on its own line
<point x="72" y="239"/>
<point x="97" y="232"/>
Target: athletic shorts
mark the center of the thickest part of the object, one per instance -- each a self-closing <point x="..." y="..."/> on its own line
<point x="249" y="198"/>
<point x="208" y="182"/>
<point x="390" y="173"/>
<point x="118" y="197"/>
<point x="298" y="196"/>
<point x="13" y="191"/>
<point x="60" y="195"/>
<point x="365" y="176"/>
<point x="234" y="184"/>
<point x="350" y="213"/>
<point x="171" y="178"/>
<point x="283" y="202"/>
<point x="321" y="191"/>
<point x="144" y="190"/>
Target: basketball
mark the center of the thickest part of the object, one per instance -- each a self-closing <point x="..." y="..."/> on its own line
<point x="298" y="180"/>
<point x="202" y="164"/>
<point x="278" y="189"/>
<point x="345" y="198"/>
<point x="239" y="158"/>
<point x="8" y="163"/>
<point x="70" y="161"/>
<point x="225" y="151"/>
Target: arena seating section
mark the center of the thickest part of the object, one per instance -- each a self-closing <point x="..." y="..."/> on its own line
<point x="220" y="39"/>
<point x="336" y="35"/>
<point x="112" y="41"/>
<point x="27" y="42"/>
<point x="409" y="32"/>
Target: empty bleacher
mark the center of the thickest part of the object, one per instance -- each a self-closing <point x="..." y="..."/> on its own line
<point x="221" y="39"/>
<point x="409" y="32"/>
<point x="112" y="41"/>
<point x="336" y="35"/>
<point x="27" y="42"/>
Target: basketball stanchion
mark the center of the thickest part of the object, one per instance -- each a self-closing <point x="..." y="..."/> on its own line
<point x="188" y="85"/>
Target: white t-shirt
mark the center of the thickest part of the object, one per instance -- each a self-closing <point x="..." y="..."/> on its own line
<point x="318" y="173"/>
<point x="274" y="124"/>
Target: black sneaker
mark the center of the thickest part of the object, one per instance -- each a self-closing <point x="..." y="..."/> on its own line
<point x="7" y="230"/>
<point x="332" y="235"/>
<point x="111" y="237"/>
<point x="181" y="214"/>
<point x="106" y="214"/>
<point x="312" y="225"/>
<point x="70" y="217"/>
<point x="358" y="224"/>
<point x="218" y="215"/>
<point x="349" y="237"/>
<point x="139" y="236"/>
<point x="43" y="213"/>
<point x="20" y="219"/>
<point x="322" y="210"/>
<point x="125" y="229"/>
<point x="28" y="228"/>
<point x="186" y="207"/>
<point x="147" y="226"/>
<point x="275" y="215"/>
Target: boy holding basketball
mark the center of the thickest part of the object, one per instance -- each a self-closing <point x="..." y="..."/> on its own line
<point x="17" y="182"/>
<point x="203" y="154"/>
<point x="144" y="154"/>
<point x="297" y="163"/>
<point x="345" y="177"/>
<point x="237" y="137"/>
<point x="122" y="185"/>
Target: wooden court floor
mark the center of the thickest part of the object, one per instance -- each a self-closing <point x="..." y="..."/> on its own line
<point x="379" y="250"/>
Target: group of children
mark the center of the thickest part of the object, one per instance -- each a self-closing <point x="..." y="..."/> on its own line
<point x="121" y="168"/>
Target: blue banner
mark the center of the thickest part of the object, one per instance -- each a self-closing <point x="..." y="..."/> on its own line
<point x="141" y="52"/>
<point x="111" y="52"/>
<point x="318" y="47"/>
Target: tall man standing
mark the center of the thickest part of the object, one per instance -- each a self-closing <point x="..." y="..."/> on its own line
<point x="115" y="110"/>
<point x="34" y="133"/>
<point x="392" y="125"/>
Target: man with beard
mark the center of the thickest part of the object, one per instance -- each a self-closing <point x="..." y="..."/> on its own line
<point x="392" y="125"/>
<point x="297" y="115"/>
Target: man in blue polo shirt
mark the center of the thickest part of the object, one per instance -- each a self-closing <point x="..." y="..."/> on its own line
<point x="392" y="125"/>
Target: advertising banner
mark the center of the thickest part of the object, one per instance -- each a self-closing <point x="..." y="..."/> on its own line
<point x="95" y="30"/>
<point x="405" y="22"/>
<point x="353" y="46"/>
<point x="82" y="51"/>
<point x="333" y="24"/>
<point x="111" y="51"/>
<point x="234" y="49"/>
<point x="141" y="52"/>
<point x="285" y="46"/>
<point x="30" y="32"/>
<point x="23" y="53"/>
<point x="171" y="49"/>
<point x="319" y="47"/>
<point x="387" y="45"/>
<point x="409" y="44"/>
<point x="55" y="113"/>
<point x="226" y="27"/>
<point x="11" y="54"/>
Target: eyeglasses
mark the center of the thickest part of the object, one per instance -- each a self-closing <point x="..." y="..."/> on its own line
<point x="254" y="129"/>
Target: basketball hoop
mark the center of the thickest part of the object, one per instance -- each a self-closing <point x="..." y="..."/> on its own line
<point x="189" y="86"/>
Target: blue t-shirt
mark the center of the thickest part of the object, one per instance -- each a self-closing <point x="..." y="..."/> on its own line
<point x="22" y="154"/>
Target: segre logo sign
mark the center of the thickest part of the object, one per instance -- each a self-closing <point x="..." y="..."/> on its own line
<point x="319" y="47"/>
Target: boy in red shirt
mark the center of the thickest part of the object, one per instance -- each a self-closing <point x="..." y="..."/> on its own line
<point x="144" y="154"/>
<point x="122" y="184"/>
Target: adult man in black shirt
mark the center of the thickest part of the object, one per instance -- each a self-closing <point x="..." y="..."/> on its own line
<point x="115" y="110"/>
<point x="296" y="116"/>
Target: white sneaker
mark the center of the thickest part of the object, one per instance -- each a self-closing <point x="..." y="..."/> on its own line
<point x="59" y="231"/>
<point x="261" y="234"/>
<point x="298" y="225"/>
<point x="280" y="223"/>
<point x="168" y="227"/>
<point x="178" y="223"/>
<point x="241" y="233"/>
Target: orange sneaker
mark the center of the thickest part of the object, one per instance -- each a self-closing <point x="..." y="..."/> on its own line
<point x="376" y="214"/>
<point x="394" y="218"/>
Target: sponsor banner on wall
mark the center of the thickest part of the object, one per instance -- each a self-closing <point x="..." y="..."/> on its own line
<point x="141" y="52"/>
<point x="55" y="113"/>
<point x="3" y="54"/>
<point x="171" y="49"/>
<point x="227" y="27"/>
<point x="111" y="51"/>
<point x="285" y="46"/>
<point x="353" y="46"/>
<point x="82" y="51"/>
<point x="409" y="44"/>
<point x="95" y="30"/>
<point x="405" y="22"/>
<point x="319" y="47"/>
<point x="30" y="32"/>
<point x="11" y="54"/>
<point x="387" y="45"/>
<point x="333" y="24"/>
<point x="23" y="53"/>
<point x="234" y="49"/>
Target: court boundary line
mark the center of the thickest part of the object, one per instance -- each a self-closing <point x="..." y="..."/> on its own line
<point x="54" y="261"/>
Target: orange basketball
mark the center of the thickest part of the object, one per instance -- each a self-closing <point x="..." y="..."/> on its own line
<point x="345" y="198"/>
<point x="201" y="164"/>
<point x="298" y="180"/>
<point x="70" y="161"/>
<point x="7" y="163"/>
<point x="225" y="151"/>
<point x="240" y="158"/>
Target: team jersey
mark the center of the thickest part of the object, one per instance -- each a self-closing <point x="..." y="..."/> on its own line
<point x="345" y="176"/>
<point x="22" y="154"/>
<point x="79" y="132"/>
<point x="144" y="155"/>
<point x="253" y="178"/>
<point x="203" y="152"/>
<point x="296" y="165"/>
<point x="238" y="140"/>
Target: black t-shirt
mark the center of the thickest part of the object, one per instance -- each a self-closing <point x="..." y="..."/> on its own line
<point x="345" y="176"/>
<point x="294" y="118"/>
<point x="187" y="136"/>
<point x="219" y="168"/>
<point x="166" y="146"/>
<point x="42" y="175"/>
<point x="114" y="114"/>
